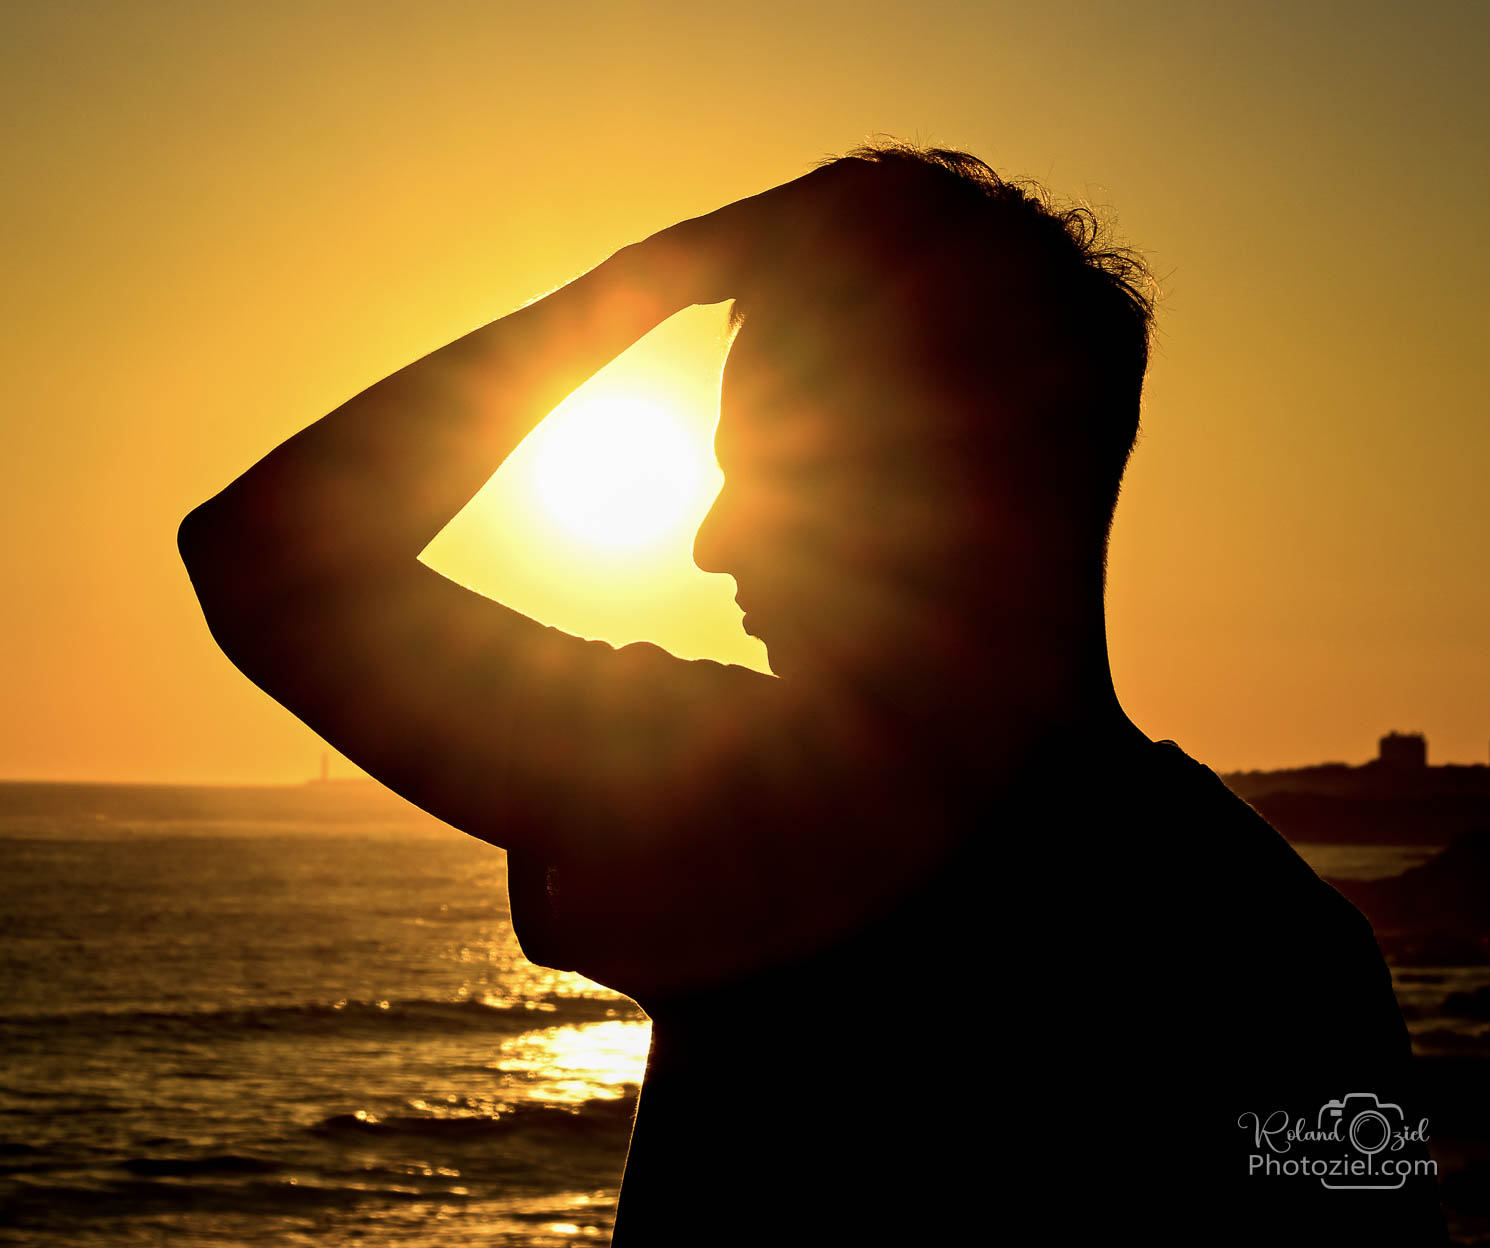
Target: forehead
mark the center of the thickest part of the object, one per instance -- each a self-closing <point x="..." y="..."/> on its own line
<point x="799" y="387"/>
<point x="796" y="389"/>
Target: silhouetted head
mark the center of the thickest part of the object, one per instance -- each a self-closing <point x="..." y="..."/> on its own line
<point x="925" y="417"/>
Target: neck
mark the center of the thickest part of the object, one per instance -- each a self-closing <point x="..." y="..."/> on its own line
<point x="1020" y="678"/>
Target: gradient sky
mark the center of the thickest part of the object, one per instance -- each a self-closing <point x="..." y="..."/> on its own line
<point x="223" y="220"/>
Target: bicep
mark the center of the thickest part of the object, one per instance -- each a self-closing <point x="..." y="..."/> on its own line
<point x="515" y="732"/>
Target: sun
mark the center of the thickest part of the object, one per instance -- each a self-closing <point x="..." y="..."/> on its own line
<point x="620" y="471"/>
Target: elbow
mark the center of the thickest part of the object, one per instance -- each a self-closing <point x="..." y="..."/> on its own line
<point x="240" y="611"/>
<point x="193" y="539"/>
<point x="262" y="599"/>
<point x="199" y="542"/>
<point x="212" y="548"/>
<point x="236" y="586"/>
<point x="205" y="545"/>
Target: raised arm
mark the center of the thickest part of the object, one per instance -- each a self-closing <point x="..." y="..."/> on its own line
<point x="307" y="566"/>
<point x="371" y="484"/>
<point x="374" y="482"/>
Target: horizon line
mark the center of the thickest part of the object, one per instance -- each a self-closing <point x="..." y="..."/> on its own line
<point x="315" y="781"/>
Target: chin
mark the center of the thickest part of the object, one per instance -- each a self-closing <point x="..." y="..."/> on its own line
<point x="782" y="660"/>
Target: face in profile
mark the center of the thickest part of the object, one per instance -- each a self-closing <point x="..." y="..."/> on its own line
<point x="842" y="519"/>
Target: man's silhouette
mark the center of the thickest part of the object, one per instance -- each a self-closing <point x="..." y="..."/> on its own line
<point x="936" y="943"/>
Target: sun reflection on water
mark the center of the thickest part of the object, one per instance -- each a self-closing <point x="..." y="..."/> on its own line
<point x="578" y="1063"/>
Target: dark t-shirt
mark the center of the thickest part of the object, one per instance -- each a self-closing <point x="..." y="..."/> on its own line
<point x="901" y="999"/>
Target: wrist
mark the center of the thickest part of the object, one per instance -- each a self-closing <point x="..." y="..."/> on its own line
<point x="652" y="275"/>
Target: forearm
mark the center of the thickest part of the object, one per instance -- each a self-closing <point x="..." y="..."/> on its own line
<point x="378" y="478"/>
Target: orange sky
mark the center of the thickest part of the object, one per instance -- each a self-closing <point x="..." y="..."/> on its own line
<point x="221" y="221"/>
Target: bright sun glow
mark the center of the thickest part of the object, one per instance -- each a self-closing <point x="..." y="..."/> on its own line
<point x="619" y="471"/>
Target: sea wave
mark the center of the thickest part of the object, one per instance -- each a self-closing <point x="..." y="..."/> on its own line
<point x="597" y="1117"/>
<point x="404" y="1016"/>
<point x="38" y="1205"/>
<point x="343" y="1160"/>
<point x="190" y="1167"/>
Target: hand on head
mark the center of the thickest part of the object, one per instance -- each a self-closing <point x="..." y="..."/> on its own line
<point x="716" y="257"/>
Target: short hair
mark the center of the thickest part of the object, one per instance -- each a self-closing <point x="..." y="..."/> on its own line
<point x="988" y="269"/>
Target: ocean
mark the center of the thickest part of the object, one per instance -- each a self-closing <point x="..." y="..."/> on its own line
<point x="274" y="1017"/>
<point x="300" y="1015"/>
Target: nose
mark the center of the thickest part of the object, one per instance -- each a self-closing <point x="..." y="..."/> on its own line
<point x="714" y="543"/>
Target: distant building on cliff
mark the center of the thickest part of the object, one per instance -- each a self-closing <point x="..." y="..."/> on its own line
<point x="1403" y="751"/>
<point x="1395" y="799"/>
<point x="1400" y="771"/>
